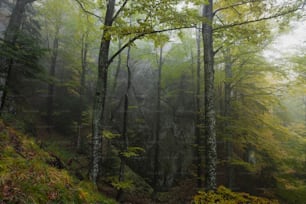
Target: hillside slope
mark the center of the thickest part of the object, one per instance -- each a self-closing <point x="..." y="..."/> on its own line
<point x="29" y="174"/>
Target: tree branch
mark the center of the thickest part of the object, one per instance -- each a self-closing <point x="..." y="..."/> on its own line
<point x="216" y="51"/>
<point x="141" y="35"/>
<point x="233" y="6"/>
<point x="119" y="10"/>
<point x="88" y="12"/>
<point x="258" y="20"/>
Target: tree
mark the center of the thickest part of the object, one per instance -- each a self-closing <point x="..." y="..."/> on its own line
<point x="11" y="34"/>
<point x="209" y="115"/>
<point x="100" y="95"/>
<point x="198" y="115"/>
<point x="157" y="123"/>
<point x="207" y="32"/>
<point x="125" y="137"/>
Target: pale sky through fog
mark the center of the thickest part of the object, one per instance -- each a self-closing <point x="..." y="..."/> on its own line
<point x="288" y="43"/>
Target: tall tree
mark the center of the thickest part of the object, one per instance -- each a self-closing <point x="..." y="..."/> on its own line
<point x="198" y="140"/>
<point x="125" y="137"/>
<point x="227" y="111"/>
<point x="100" y="95"/>
<point x="51" y="86"/>
<point x="209" y="112"/>
<point x="11" y="34"/>
<point x="156" y="171"/>
<point x="255" y="7"/>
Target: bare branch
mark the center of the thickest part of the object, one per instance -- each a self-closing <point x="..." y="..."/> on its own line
<point x="119" y="10"/>
<point x="216" y="51"/>
<point x="220" y="20"/>
<point x="88" y="12"/>
<point x="142" y="35"/>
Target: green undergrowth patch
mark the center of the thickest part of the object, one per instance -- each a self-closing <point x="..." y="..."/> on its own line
<point x="27" y="174"/>
<point x="226" y="196"/>
<point x="290" y="189"/>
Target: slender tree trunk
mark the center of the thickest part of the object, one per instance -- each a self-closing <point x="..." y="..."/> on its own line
<point x="118" y="67"/>
<point x="100" y="95"/>
<point x="210" y="118"/>
<point x="10" y="37"/>
<point x="227" y="112"/>
<point x="197" y="130"/>
<point x="156" y="170"/>
<point x="84" y="50"/>
<point x="124" y="127"/>
<point x="50" y="98"/>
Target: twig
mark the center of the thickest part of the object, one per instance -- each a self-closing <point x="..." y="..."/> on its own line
<point x="88" y="12"/>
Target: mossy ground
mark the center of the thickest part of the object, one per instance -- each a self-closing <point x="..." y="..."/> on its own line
<point x="26" y="175"/>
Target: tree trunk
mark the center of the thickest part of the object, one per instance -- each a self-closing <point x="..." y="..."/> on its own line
<point x="156" y="170"/>
<point x="10" y="37"/>
<point x="198" y="113"/>
<point x="118" y="67"/>
<point x="100" y="95"/>
<point x="210" y="118"/>
<point x="227" y="112"/>
<point x="50" y="106"/>
<point x="124" y="127"/>
<point x="84" y="50"/>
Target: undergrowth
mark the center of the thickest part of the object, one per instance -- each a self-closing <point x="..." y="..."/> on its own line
<point x="226" y="196"/>
<point x="26" y="175"/>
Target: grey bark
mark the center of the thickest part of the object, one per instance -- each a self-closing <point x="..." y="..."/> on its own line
<point x="10" y="37"/>
<point x="100" y="95"/>
<point x="210" y="118"/>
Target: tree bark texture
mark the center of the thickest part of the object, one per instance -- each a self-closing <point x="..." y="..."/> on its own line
<point x="210" y="118"/>
<point x="100" y="95"/>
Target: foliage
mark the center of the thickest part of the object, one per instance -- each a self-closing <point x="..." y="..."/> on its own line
<point x="27" y="176"/>
<point x="133" y="152"/>
<point x="226" y="196"/>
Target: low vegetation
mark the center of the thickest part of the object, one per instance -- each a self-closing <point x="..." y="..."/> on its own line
<point x="28" y="174"/>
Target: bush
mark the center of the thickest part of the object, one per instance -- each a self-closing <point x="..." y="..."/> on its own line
<point x="226" y="196"/>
